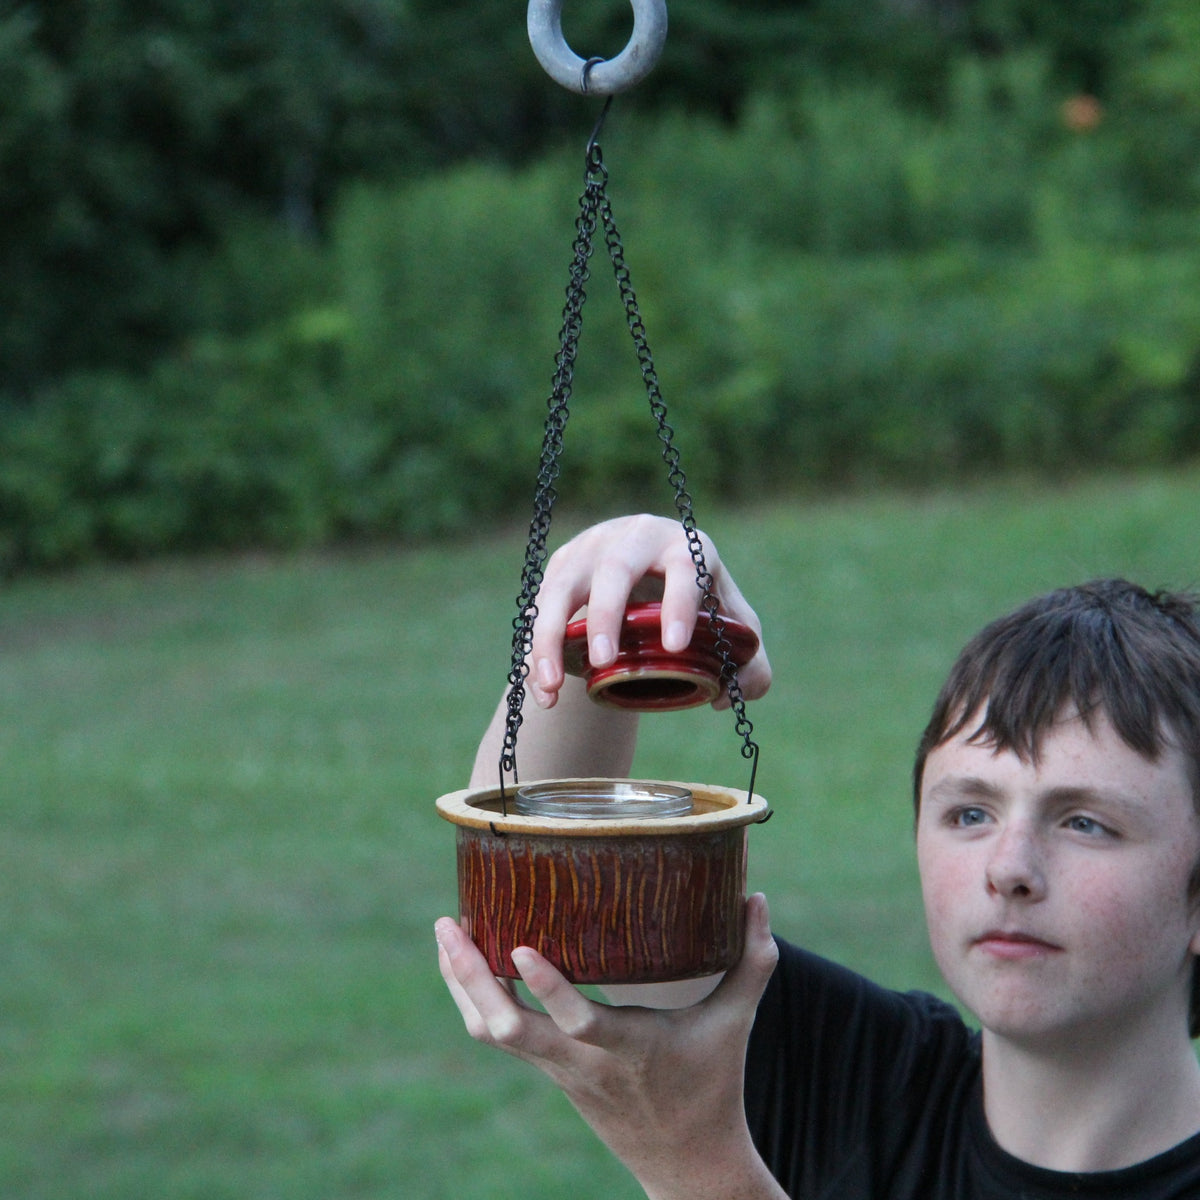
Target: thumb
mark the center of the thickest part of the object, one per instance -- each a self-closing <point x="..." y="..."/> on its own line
<point x="747" y="981"/>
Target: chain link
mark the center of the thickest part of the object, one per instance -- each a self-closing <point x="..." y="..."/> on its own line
<point x="548" y="466"/>
<point x="595" y="208"/>
<point x="677" y="479"/>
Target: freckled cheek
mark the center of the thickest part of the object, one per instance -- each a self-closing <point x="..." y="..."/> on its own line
<point x="1126" y="920"/>
<point x="945" y="883"/>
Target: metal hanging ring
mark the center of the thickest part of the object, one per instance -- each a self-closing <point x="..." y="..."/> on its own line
<point x="597" y="77"/>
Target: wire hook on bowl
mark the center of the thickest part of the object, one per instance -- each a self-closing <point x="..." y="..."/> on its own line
<point x="597" y="77"/>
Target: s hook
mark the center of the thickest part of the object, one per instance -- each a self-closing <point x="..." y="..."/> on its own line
<point x="597" y="77"/>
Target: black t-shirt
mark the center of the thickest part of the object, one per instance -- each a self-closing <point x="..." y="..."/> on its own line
<point x="854" y="1092"/>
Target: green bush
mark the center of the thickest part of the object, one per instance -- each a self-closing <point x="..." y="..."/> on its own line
<point x="449" y="290"/>
<point x="230" y="446"/>
<point x="836" y="290"/>
<point x="849" y="171"/>
<point x="1159" y="102"/>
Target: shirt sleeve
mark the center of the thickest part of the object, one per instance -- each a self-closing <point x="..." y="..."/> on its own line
<point x="851" y="1087"/>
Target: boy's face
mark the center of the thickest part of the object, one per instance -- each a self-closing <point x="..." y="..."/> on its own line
<point x="1057" y="893"/>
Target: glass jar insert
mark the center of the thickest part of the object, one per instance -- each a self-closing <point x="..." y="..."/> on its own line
<point x="603" y="798"/>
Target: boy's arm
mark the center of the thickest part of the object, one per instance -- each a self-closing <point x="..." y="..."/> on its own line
<point x="577" y="737"/>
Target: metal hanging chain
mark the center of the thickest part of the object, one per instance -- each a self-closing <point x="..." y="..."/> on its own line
<point x="548" y="467"/>
<point x="595" y="207"/>
<point x="676" y="477"/>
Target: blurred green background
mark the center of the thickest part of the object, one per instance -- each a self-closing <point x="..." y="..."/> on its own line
<point x="280" y="292"/>
<point x="220" y="861"/>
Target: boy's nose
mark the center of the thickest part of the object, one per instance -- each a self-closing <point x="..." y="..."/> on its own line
<point x="1014" y="867"/>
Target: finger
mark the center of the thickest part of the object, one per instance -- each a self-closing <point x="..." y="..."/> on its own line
<point x="579" y="1018"/>
<point x="564" y="590"/>
<point x="470" y="1014"/>
<point x="681" y="603"/>
<point x="612" y="582"/>
<point x="652" y="555"/>
<point x="490" y="1012"/>
<point x="600" y="567"/>
<point x="744" y="985"/>
<point x="681" y="598"/>
<point x="567" y="585"/>
<point x="754" y="676"/>
<point x="547" y="676"/>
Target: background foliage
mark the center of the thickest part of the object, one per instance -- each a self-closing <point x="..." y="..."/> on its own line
<point x="292" y="273"/>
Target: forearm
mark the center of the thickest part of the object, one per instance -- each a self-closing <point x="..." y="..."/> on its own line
<point x="741" y="1175"/>
<point x="576" y="737"/>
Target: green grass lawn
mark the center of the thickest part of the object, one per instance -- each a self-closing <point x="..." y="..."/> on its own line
<point x="220" y="861"/>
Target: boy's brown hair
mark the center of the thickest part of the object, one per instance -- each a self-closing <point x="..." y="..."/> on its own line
<point x="1106" y="647"/>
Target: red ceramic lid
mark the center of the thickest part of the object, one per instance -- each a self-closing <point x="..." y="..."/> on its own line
<point x="646" y="677"/>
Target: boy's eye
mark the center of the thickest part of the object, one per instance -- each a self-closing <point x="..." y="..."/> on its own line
<point x="968" y="817"/>
<point x="1089" y="825"/>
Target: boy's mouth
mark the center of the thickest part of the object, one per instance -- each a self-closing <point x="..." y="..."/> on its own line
<point x="1014" y="944"/>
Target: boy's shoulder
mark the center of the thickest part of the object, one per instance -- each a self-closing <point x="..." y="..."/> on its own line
<point x="853" y="1089"/>
<point x="816" y="1009"/>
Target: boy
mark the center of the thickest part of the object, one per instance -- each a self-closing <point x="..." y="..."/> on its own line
<point x="1058" y="839"/>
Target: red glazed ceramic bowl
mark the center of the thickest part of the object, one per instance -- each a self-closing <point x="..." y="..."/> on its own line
<point x="646" y="677"/>
<point x="639" y="900"/>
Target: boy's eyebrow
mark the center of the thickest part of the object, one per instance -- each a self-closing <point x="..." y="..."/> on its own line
<point x="959" y="787"/>
<point x="1110" y="798"/>
<point x="973" y="787"/>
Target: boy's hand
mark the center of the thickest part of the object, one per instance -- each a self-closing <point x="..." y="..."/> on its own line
<point x="606" y="565"/>
<point x="662" y="1088"/>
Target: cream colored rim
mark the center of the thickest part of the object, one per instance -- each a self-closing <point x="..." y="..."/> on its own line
<point x="715" y="808"/>
<point x="705" y="684"/>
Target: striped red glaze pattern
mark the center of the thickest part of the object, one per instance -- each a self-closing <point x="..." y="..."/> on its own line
<point x="630" y="909"/>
